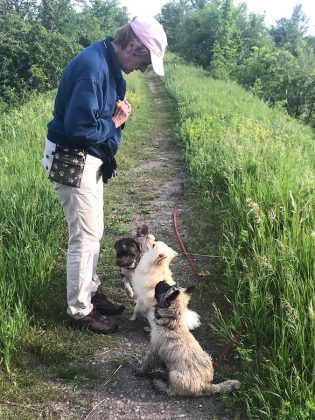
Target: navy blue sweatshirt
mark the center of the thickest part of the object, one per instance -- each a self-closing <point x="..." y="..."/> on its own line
<point x="90" y="85"/>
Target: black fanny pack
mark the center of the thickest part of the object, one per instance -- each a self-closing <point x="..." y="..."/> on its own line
<point x="67" y="166"/>
<point x="109" y="168"/>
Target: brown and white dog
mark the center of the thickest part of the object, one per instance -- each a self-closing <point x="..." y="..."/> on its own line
<point x="189" y="368"/>
<point x="129" y="252"/>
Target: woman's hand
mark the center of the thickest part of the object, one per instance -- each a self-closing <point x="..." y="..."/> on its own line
<point x="121" y="113"/>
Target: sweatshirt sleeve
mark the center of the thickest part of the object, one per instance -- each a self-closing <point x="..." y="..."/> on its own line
<point x="82" y="122"/>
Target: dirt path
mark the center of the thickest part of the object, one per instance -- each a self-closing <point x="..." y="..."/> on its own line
<point x="117" y="393"/>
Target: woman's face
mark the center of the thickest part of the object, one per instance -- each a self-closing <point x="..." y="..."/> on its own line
<point x="130" y="61"/>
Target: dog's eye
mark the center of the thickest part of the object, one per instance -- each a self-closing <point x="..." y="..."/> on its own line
<point x="153" y="245"/>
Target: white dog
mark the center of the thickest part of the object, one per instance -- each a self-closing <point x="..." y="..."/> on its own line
<point x="152" y="268"/>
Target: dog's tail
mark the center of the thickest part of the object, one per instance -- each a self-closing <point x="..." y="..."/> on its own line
<point x="226" y="386"/>
<point x="191" y="319"/>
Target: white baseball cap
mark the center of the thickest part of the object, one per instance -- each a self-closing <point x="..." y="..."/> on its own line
<point x="152" y="35"/>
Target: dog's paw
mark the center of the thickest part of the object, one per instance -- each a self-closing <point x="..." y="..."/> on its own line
<point x="133" y="318"/>
<point x="235" y="384"/>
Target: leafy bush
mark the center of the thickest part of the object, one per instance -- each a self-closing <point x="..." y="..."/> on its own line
<point x="38" y="40"/>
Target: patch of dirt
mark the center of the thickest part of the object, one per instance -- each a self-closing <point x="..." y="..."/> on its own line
<point x="117" y="393"/>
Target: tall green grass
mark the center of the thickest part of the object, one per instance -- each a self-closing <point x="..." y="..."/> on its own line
<point x="30" y="220"/>
<point x="259" y="165"/>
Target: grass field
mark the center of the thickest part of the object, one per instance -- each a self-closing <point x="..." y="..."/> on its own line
<point x="253" y="163"/>
<point x="258" y="164"/>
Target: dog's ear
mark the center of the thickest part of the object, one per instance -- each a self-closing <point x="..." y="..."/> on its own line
<point x="117" y="244"/>
<point x="189" y="290"/>
<point x="143" y="230"/>
<point x="160" y="288"/>
<point x="174" y="254"/>
<point x="149" y="241"/>
<point x="172" y="296"/>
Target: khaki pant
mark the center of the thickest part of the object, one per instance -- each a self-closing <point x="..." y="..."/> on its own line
<point x="83" y="209"/>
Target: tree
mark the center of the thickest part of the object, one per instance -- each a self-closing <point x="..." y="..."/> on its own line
<point x="48" y="52"/>
<point x="252" y="32"/>
<point x="276" y="75"/>
<point x="197" y="35"/>
<point x="224" y="50"/>
<point x="199" y="4"/>
<point x="171" y="17"/>
<point x="97" y="19"/>
<point x="288" y="32"/>
<point x="13" y="57"/>
<point x="109" y="15"/>
<point x="60" y="16"/>
<point x="25" y="9"/>
<point x="37" y="40"/>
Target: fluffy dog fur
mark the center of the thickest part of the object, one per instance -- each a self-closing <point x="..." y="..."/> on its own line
<point x="190" y="369"/>
<point x="129" y="252"/>
<point x="154" y="267"/>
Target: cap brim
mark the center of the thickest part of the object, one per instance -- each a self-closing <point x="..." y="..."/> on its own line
<point x="157" y="64"/>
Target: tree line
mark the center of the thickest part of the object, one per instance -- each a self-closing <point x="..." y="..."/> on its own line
<point x="37" y="39"/>
<point x="277" y="63"/>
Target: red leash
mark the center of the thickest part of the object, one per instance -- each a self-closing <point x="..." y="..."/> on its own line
<point x="201" y="278"/>
<point x="229" y="345"/>
<point x="191" y="263"/>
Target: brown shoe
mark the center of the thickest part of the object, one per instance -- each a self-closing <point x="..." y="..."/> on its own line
<point x="97" y="323"/>
<point x="106" y="306"/>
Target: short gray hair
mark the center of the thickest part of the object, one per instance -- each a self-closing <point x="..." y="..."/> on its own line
<point x="124" y="35"/>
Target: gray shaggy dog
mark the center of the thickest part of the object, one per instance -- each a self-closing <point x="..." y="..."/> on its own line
<point x="189" y="367"/>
